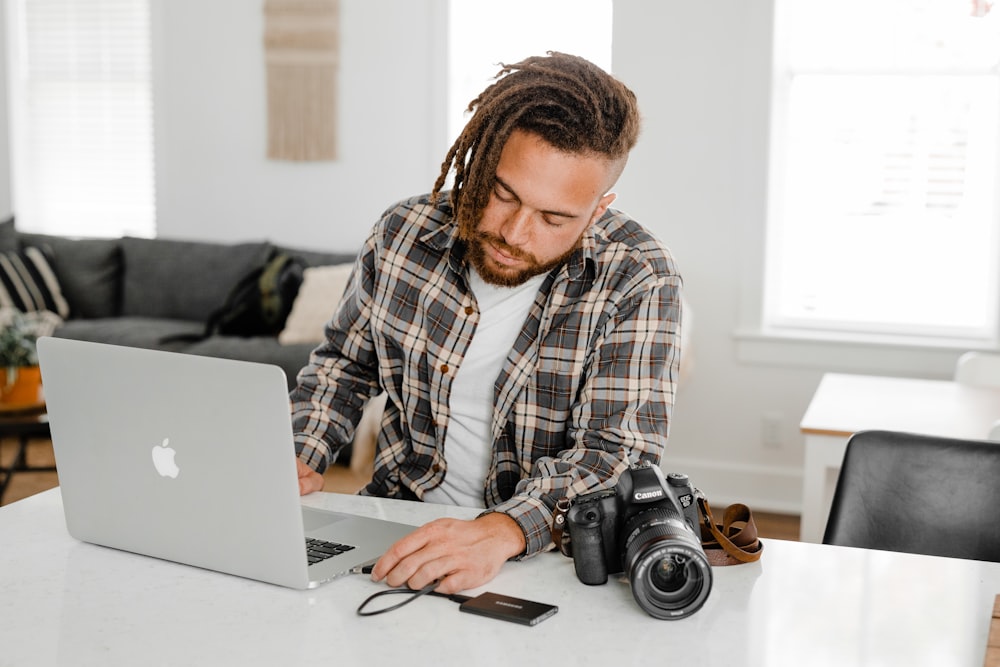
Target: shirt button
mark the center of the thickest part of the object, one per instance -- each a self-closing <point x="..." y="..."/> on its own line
<point x="469" y="310"/>
<point x="436" y="467"/>
<point x="444" y="368"/>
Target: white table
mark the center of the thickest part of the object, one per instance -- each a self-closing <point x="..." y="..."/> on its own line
<point x="846" y="404"/>
<point x="68" y="603"/>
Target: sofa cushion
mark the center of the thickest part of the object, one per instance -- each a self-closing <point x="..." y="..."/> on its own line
<point x="145" y="332"/>
<point x="320" y="292"/>
<point x="262" y="349"/>
<point x="28" y="283"/>
<point x="89" y="271"/>
<point x="184" y="280"/>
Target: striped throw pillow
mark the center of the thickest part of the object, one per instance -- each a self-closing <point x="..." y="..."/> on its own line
<point x="28" y="283"/>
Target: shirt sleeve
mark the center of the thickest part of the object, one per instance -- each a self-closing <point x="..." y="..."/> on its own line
<point x="622" y="415"/>
<point x="333" y="388"/>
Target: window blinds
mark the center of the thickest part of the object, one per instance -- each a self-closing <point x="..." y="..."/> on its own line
<point x="82" y="116"/>
<point x="885" y="218"/>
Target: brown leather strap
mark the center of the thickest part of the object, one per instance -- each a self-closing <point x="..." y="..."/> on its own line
<point x="735" y="540"/>
<point x="559" y="535"/>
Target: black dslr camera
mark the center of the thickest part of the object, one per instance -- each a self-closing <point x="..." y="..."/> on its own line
<point x="646" y="527"/>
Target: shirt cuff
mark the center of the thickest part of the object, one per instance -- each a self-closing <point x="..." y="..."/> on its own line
<point x="312" y="452"/>
<point x="535" y="520"/>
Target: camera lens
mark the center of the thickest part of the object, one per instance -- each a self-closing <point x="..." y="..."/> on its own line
<point x="667" y="569"/>
<point x="668" y="574"/>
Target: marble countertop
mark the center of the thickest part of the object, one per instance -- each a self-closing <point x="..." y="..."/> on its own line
<point x="69" y="603"/>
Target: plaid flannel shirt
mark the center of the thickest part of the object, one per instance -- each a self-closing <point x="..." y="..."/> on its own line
<point x="586" y="390"/>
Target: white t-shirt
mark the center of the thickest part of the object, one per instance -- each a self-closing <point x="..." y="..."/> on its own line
<point x="468" y="444"/>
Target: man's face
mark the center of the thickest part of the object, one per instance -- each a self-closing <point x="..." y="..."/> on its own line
<point x="543" y="201"/>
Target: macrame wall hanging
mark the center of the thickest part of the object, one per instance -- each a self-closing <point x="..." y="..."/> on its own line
<point x="301" y="53"/>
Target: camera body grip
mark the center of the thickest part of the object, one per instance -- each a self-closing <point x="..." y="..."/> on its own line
<point x="588" y="522"/>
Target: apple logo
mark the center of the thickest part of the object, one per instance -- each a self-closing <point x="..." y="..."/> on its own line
<point x="163" y="460"/>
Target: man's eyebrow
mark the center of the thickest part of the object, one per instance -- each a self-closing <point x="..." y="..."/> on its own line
<point x="561" y="214"/>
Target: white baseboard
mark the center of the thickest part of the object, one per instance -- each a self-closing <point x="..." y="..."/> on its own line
<point x="762" y="488"/>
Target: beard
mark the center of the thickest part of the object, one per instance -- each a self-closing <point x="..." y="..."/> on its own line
<point x="504" y="276"/>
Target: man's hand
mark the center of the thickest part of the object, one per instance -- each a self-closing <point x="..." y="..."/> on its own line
<point x="462" y="554"/>
<point x="309" y="479"/>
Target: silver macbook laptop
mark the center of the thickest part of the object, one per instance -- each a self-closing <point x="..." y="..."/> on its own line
<point x="190" y="459"/>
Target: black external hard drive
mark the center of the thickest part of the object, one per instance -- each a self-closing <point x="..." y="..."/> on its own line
<point x="511" y="609"/>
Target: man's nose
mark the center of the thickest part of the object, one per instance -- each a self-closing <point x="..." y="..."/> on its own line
<point x="517" y="227"/>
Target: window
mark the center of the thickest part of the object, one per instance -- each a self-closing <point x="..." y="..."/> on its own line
<point x="482" y="34"/>
<point x="81" y="116"/>
<point x="884" y="212"/>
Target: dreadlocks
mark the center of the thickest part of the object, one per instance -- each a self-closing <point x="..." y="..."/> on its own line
<point x="569" y="102"/>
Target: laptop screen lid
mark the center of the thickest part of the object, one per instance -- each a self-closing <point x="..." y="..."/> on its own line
<point x="189" y="459"/>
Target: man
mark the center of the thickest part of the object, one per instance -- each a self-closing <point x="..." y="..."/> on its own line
<point x="525" y="334"/>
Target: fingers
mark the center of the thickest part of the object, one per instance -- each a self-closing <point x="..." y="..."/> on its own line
<point x="309" y="480"/>
<point x="403" y="559"/>
<point x="459" y="554"/>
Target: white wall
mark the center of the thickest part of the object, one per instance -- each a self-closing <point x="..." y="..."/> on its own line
<point x="697" y="179"/>
<point x="213" y="180"/>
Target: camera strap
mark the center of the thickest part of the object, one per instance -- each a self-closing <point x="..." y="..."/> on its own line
<point x="559" y="535"/>
<point x="732" y="542"/>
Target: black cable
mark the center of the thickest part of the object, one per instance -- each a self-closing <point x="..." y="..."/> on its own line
<point x="429" y="588"/>
<point x="414" y="594"/>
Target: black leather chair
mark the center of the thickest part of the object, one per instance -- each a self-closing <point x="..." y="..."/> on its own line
<point x="918" y="494"/>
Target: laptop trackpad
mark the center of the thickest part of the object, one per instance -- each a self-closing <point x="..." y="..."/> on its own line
<point x="314" y="520"/>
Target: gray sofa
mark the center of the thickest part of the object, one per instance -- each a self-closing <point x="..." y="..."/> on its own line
<point x="152" y="293"/>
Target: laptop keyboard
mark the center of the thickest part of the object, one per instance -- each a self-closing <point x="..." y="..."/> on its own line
<point x="319" y="550"/>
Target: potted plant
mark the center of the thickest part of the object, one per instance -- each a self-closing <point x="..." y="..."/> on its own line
<point x="20" y="376"/>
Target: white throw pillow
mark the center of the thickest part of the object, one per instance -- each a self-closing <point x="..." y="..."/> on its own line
<point x="320" y="292"/>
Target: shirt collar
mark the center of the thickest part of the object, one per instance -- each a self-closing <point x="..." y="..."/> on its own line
<point x="444" y="239"/>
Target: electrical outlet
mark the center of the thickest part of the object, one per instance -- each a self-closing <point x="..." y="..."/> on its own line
<point x="770" y="430"/>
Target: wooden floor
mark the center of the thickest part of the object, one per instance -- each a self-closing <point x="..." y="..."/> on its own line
<point x="338" y="478"/>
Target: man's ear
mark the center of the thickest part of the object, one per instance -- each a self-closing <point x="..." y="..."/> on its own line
<point x="602" y="206"/>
